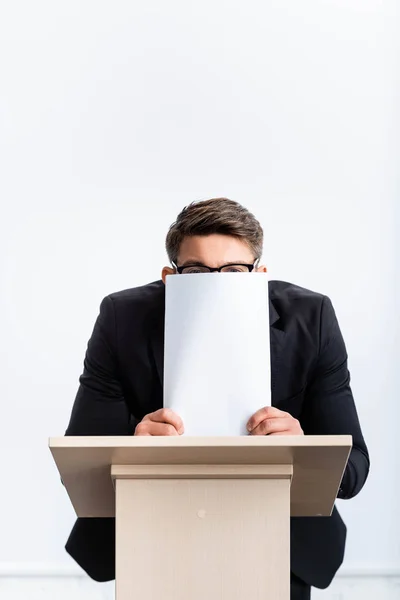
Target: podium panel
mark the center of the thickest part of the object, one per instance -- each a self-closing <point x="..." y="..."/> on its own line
<point x="207" y="538"/>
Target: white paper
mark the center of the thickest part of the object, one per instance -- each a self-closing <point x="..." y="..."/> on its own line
<point x="217" y="350"/>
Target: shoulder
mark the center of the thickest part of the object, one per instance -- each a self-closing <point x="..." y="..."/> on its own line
<point x="143" y="299"/>
<point x="293" y="302"/>
<point x="289" y="292"/>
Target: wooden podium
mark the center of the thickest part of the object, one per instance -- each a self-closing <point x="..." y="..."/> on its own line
<point x="202" y="518"/>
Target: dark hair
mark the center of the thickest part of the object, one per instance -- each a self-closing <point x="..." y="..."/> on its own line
<point x="218" y="215"/>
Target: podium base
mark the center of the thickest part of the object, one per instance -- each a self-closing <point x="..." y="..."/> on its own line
<point x="203" y="532"/>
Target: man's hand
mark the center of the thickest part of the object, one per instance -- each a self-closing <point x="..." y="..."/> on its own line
<point x="271" y="421"/>
<point x="161" y="422"/>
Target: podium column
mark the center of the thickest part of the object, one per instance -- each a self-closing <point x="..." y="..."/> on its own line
<point x="202" y="532"/>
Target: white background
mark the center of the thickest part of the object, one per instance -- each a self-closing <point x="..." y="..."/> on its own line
<point x="113" y="116"/>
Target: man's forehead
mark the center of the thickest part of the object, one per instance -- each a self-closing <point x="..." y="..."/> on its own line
<point x="198" y="261"/>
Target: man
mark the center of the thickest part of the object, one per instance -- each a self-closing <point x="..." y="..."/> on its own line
<point x="121" y="391"/>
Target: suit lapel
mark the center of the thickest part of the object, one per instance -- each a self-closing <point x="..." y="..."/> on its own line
<point x="157" y="342"/>
<point x="277" y="340"/>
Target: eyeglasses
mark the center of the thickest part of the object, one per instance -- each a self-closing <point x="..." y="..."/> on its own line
<point x="230" y="268"/>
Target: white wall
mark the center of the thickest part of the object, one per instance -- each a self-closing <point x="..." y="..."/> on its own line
<point x="113" y="116"/>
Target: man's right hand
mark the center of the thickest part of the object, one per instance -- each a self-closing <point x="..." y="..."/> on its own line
<point x="161" y="422"/>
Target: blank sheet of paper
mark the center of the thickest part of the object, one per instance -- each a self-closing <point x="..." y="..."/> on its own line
<point x="217" y="350"/>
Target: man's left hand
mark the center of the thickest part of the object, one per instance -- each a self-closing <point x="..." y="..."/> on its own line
<point x="272" y="421"/>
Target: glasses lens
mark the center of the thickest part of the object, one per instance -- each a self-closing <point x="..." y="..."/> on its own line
<point x="235" y="269"/>
<point x="195" y="269"/>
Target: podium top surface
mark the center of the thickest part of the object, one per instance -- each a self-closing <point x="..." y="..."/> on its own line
<point x="85" y="464"/>
<point x="193" y="450"/>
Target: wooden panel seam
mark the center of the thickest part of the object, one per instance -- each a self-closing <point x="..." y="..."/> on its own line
<point x="201" y="471"/>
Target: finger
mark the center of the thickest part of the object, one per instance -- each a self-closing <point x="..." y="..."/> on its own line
<point x="148" y="427"/>
<point x="166" y="415"/>
<point x="273" y="426"/>
<point x="284" y="433"/>
<point x="268" y="412"/>
<point x="141" y="429"/>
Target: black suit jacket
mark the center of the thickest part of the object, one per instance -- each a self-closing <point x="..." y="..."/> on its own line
<point x="122" y="382"/>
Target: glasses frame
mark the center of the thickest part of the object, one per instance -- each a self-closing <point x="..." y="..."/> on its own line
<point x="180" y="270"/>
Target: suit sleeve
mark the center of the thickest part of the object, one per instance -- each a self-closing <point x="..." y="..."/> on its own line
<point x="329" y="407"/>
<point x="100" y="407"/>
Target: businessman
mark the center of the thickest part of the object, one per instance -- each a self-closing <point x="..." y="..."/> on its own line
<point x="121" y="388"/>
